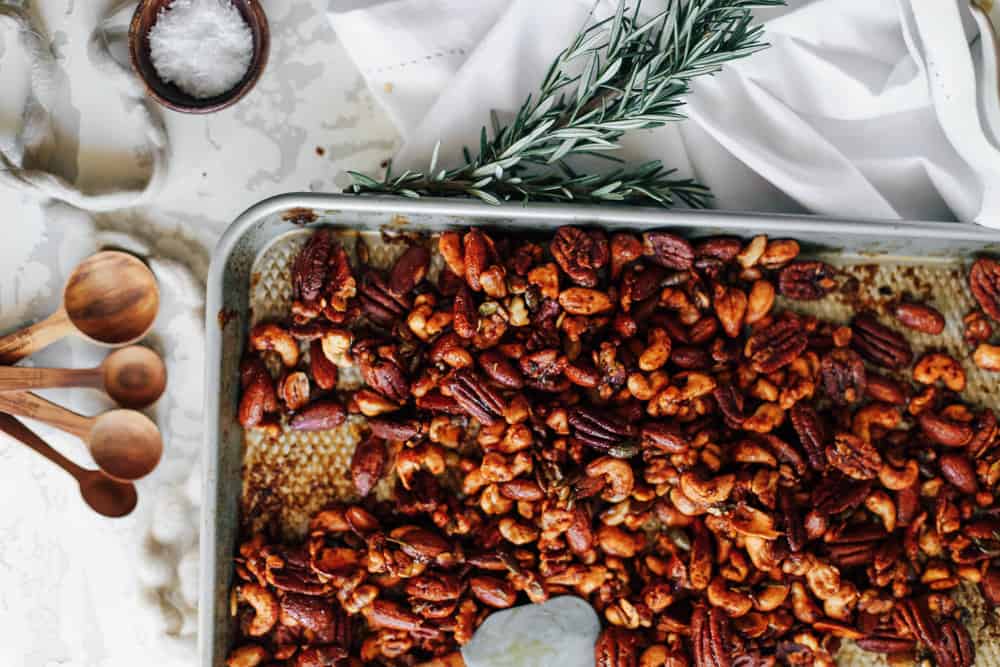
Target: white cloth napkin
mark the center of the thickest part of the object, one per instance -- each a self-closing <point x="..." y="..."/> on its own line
<point x="836" y="118"/>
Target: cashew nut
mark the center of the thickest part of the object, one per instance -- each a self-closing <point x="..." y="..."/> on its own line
<point x="939" y="366"/>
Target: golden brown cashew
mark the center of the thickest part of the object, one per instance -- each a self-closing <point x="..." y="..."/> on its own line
<point x="939" y="366"/>
<point x="265" y="607"/>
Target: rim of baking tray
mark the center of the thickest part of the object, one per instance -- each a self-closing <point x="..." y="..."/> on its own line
<point x="608" y="216"/>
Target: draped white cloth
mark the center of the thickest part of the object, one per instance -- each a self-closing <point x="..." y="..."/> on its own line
<point x="839" y="117"/>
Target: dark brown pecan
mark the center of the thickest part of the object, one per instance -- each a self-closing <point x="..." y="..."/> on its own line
<point x="775" y="346"/>
<point x="604" y="432"/>
<point x="321" y="415"/>
<point x="580" y="253"/>
<point x="319" y="656"/>
<point x="378" y="302"/>
<point x="944" y="431"/>
<point x="475" y="397"/>
<point x="811" y="430"/>
<point x="668" y="250"/>
<point x="919" y="317"/>
<point x="806" y="280"/>
<point x="722" y="248"/>
<point x="879" y="344"/>
<point x="465" y="318"/>
<point x="985" y="436"/>
<point x="435" y="401"/>
<point x="380" y="370"/>
<point x="664" y="437"/>
<point x="912" y="615"/>
<point x="835" y="494"/>
<point x="710" y="637"/>
<point x="989" y="586"/>
<point x="844" y="377"/>
<point x="730" y="402"/>
<point x="984" y="281"/>
<point x="616" y="647"/>
<point x="791" y="520"/>
<point x="341" y="287"/>
<point x="368" y="464"/>
<point x="854" y="457"/>
<point x="640" y="283"/>
<point x="311" y="265"/>
<point x="500" y="369"/>
<point x="478" y="252"/>
<point x="955" y="648"/>
<point x="409" y="270"/>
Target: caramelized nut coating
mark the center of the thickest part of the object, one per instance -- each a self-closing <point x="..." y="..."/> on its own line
<point x="633" y="421"/>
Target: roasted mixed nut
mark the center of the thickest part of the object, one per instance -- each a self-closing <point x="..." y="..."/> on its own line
<point x="633" y="420"/>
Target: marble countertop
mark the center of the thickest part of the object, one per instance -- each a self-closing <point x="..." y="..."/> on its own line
<point x="70" y="592"/>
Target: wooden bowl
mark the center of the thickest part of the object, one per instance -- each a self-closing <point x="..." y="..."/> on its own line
<point x="170" y="95"/>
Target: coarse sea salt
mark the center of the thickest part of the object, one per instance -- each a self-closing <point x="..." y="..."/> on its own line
<point x="203" y="47"/>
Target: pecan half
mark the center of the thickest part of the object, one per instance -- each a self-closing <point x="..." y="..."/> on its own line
<point x="710" y="637"/>
<point x="806" y="280"/>
<point x="616" y="647"/>
<point x="580" y="253"/>
<point x="668" y="250"/>
<point x="854" y="457"/>
<point x="730" y="402"/>
<point x="378" y="302"/>
<point x="879" y="344"/>
<point x="475" y="397"/>
<point x="984" y="281"/>
<point x="603" y="432"/>
<point x="844" y="377"/>
<point x="311" y="265"/>
<point x="955" y="648"/>
<point x="775" y="346"/>
<point x="812" y="434"/>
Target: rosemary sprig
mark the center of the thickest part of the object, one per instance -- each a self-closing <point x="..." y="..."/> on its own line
<point x="632" y="74"/>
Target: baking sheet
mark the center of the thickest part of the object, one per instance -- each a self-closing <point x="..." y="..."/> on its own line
<point x="288" y="479"/>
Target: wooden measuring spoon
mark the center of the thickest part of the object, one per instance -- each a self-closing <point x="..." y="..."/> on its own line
<point x="111" y="298"/>
<point x="106" y="496"/>
<point x="133" y="376"/>
<point x="125" y="444"/>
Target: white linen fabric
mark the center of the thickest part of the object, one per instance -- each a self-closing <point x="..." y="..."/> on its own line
<point x="836" y="118"/>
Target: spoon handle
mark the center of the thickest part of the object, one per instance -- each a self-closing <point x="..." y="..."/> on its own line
<point x="26" y="404"/>
<point x="27" y="341"/>
<point x="15" y="377"/>
<point x="15" y="429"/>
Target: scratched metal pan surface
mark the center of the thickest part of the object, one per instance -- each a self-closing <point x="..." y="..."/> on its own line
<point x="249" y="280"/>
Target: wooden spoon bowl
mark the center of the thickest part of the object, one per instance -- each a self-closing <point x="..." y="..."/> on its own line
<point x="134" y="376"/>
<point x="125" y="444"/>
<point x="170" y="95"/>
<point x="106" y="496"/>
<point x="112" y="298"/>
